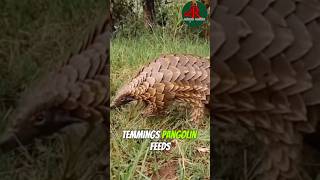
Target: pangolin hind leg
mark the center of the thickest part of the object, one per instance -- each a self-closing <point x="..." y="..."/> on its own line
<point x="197" y="111"/>
<point x="281" y="157"/>
<point x="197" y="107"/>
<point x="280" y="162"/>
<point x="89" y="131"/>
<point x="154" y="107"/>
<point x="150" y="110"/>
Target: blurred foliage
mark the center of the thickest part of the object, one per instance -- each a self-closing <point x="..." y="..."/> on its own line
<point x="129" y="21"/>
<point x="35" y="36"/>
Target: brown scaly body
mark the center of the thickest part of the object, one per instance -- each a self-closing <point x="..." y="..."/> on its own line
<point x="266" y="76"/>
<point x="75" y="92"/>
<point x="172" y="77"/>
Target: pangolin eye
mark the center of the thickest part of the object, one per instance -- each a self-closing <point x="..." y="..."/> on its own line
<point x="39" y="119"/>
<point x="128" y="99"/>
<point x="123" y="99"/>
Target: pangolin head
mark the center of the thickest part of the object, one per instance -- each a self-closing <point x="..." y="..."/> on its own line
<point x="123" y="96"/>
<point x="37" y="115"/>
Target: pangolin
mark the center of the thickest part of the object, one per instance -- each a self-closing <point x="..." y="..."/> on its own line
<point x="75" y="92"/>
<point x="265" y="76"/>
<point x="169" y="78"/>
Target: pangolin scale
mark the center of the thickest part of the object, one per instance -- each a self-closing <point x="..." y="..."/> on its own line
<point x="75" y="92"/>
<point x="265" y="76"/>
<point x="171" y="77"/>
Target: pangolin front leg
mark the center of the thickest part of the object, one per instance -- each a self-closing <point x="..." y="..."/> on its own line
<point x="197" y="111"/>
<point x="155" y="106"/>
<point x="281" y="160"/>
<point x="150" y="110"/>
<point x="196" y="104"/>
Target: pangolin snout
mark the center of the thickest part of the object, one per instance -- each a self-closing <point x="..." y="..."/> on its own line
<point x="8" y="142"/>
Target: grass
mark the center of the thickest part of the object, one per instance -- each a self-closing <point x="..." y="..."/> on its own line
<point x="132" y="158"/>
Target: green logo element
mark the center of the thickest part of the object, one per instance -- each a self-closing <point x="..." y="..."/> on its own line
<point x="194" y="14"/>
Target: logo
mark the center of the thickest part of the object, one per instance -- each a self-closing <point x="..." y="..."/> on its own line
<point x="194" y="13"/>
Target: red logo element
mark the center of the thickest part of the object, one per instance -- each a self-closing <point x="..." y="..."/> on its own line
<point x="193" y="12"/>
